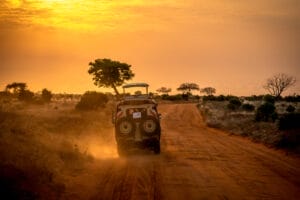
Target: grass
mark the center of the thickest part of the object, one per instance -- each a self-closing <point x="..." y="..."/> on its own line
<point x="241" y="122"/>
<point x="42" y="145"/>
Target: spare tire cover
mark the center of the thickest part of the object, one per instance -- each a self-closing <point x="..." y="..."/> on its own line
<point x="125" y="126"/>
<point x="150" y="125"/>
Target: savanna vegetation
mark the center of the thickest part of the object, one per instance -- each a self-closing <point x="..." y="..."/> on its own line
<point x="47" y="138"/>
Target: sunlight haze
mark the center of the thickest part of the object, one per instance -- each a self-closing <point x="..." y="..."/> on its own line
<point x="231" y="45"/>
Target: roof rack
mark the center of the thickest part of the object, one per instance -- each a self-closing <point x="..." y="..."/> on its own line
<point x="135" y="85"/>
<point x="129" y="85"/>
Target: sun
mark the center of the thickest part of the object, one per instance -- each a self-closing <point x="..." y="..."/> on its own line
<point x="15" y="3"/>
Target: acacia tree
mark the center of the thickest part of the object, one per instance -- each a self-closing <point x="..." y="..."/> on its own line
<point x="109" y="73"/>
<point x="164" y="90"/>
<point x="208" y="90"/>
<point x="279" y="83"/>
<point x="20" y="91"/>
<point x="188" y="87"/>
<point x="16" y="87"/>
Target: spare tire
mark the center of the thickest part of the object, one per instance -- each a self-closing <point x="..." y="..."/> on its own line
<point x="150" y="125"/>
<point x="125" y="127"/>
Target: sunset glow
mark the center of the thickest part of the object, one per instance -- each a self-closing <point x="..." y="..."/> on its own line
<point x="233" y="46"/>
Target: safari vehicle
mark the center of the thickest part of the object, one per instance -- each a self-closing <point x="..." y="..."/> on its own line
<point x="137" y="122"/>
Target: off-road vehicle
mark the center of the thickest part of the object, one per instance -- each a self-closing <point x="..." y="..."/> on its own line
<point x="137" y="122"/>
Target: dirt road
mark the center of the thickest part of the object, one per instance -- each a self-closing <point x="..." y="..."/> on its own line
<point x="196" y="163"/>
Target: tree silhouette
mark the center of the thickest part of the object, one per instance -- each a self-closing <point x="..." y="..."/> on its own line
<point x="109" y="73"/>
<point x="188" y="87"/>
<point x="16" y="87"/>
<point x="46" y="95"/>
<point x="208" y="90"/>
<point x="164" y="90"/>
<point x="279" y="83"/>
<point x="20" y="91"/>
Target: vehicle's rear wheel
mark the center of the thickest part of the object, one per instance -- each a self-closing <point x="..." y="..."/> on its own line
<point x="122" y="151"/>
<point x="156" y="147"/>
<point x="125" y="127"/>
<point x="150" y="125"/>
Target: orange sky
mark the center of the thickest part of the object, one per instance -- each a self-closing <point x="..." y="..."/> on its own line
<point x="233" y="46"/>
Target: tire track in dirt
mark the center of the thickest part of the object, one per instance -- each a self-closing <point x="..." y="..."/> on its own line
<point x="196" y="162"/>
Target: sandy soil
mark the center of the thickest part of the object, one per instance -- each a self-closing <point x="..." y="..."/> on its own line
<point x="196" y="163"/>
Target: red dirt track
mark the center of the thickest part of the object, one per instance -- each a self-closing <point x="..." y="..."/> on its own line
<point x="196" y="162"/>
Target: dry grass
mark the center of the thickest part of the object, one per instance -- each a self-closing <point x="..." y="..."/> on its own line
<point x="217" y="115"/>
<point x="43" y="145"/>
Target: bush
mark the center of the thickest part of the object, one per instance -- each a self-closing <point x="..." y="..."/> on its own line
<point x="265" y="112"/>
<point x="92" y="100"/>
<point x="164" y="96"/>
<point x="26" y="95"/>
<point x="289" y="121"/>
<point x="269" y="98"/>
<point x="290" y="109"/>
<point x="255" y="98"/>
<point x="177" y="97"/>
<point x="248" y="107"/>
<point x="234" y="104"/>
<point x="295" y="98"/>
<point x="46" y="95"/>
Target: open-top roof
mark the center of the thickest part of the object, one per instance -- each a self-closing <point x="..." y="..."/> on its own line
<point x="129" y="85"/>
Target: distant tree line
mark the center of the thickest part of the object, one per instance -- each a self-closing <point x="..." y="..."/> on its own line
<point x="20" y="91"/>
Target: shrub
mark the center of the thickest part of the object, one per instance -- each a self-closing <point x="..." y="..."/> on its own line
<point x="254" y="98"/>
<point x="177" y="97"/>
<point x="265" y="112"/>
<point x="295" y="98"/>
<point x="269" y="98"/>
<point x="26" y="95"/>
<point x="248" y="107"/>
<point x="290" y="109"/>
<point x="234" y="104"/>
<point x="46" y="95"/>
<point x="92" y="100"/>
<point x="289" y="121"/>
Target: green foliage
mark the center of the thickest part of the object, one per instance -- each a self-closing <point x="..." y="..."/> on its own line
<point x="265" y="112"/>
<point x="92" y="100"/>
<point x="46" y="95"/>
<point x="109" y="73"/>
<point x="248" y="107"/>
<point x="234" y="104"/>
<point x="290" y="109"/>
<point x="289" y="121"/>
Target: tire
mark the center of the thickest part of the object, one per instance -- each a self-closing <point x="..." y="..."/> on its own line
<point x="125" y="127"/>
<point x="121" y="150"/>
<point x="156" y="147"/>
<point x="150" y="125"/>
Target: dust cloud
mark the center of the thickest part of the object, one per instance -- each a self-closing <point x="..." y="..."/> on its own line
<point x="46" y="149"/>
